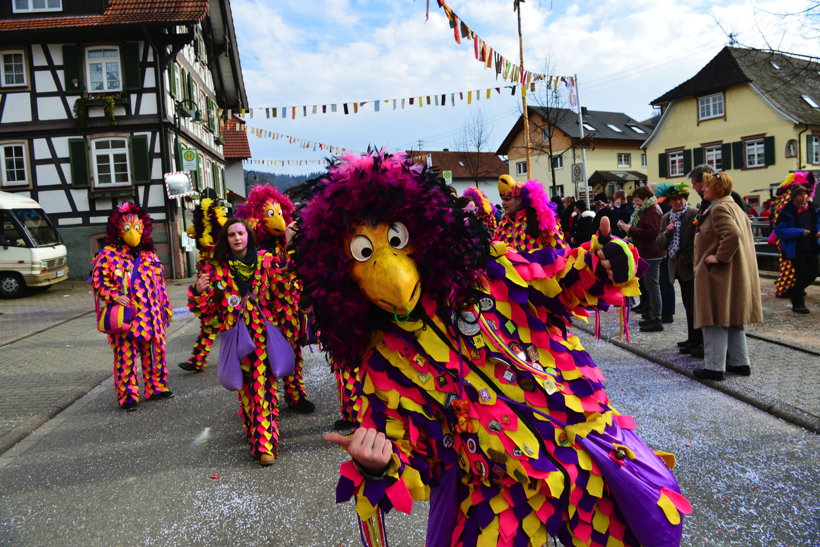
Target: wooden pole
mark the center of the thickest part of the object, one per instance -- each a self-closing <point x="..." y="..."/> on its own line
<point x="523" y="90"/>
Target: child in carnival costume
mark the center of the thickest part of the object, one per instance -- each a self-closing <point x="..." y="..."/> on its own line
<point x="786" y="278"/>
<point x="484" y="209"/>
<point x="472" y="394"/>
<point x="209" y="217"/>
<point x="529" y="222"/>
<point x="269" y="212"/>
<point x="128" y="272"/>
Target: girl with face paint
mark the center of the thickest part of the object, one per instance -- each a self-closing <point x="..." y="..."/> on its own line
<point x="127" y="271"/>
<point x="246" y="284"/>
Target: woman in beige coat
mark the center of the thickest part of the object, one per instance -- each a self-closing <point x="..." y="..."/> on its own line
<point x="727" y="286"/>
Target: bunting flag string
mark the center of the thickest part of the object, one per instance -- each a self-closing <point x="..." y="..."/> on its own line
<point x="439" y="99"/>
<point x="485" y="54"/>
<point x="233" y="125"/>
<point x="283" y="163"/>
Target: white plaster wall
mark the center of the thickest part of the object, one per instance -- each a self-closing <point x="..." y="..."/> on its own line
<point x="17" y="108"/>
<point x="51" y="108"/>
<point x="53" y="201"/>
<point x="44" y="82"/>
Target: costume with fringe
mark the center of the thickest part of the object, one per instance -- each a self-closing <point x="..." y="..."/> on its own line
<point x="496" y="415"/>
<point x="209" y="217"/>
<point x="786" y="275"/>
<point x="136" y="272"/>
<point x="268" y="297"/>
<point x="260" y="204"/>
<point x="512" y="229"/>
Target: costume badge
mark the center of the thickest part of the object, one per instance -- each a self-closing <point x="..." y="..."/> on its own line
<point x="423" y="377"/>
<point x="528" y="450"/>
<point x="220" y="285"/>
<point x="494" y="426"/>
<point x="497" y="456"/>
<point x="478" y="341"/>
<point x="118" y="272"/>
<point x="517" y="452"/>
<point x="420" y="360"/>
<point x="505" y="419"/>
<point x="481" y="469"/>
<point x="468" y="324"/>
<point x="527" y="384"/>
<point x="549" y="386"/>
<point x="447" y="441"/>
<point x="508" y="376"/>
<point x="485" y="396"/>
<point x="532" y="353"/>
<point x="485" y="304"/>
<point x="234" y="300"/>
<point x="442" y="380"/>
<point x="472" y="446"/>
<point x="537" y="366"/>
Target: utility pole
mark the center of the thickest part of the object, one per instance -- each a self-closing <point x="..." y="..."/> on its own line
<point x="517" y="8"/>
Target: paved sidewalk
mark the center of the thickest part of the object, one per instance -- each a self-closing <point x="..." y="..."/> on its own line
<point x="783" y="382"/>
<point x="48" y="363"/>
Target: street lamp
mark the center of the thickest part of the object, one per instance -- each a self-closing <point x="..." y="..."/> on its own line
<point x="181" y="109"/>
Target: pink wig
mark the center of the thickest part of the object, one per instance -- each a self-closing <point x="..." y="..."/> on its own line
<point x="254" y="208"/>
<point x="378" y="187"/>
<point x="534" y="196"/>
<point x="480" y="199"/>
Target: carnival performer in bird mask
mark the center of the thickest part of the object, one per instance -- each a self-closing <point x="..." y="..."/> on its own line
<point x="473" y="395"/>
<point x="128" y="272"/>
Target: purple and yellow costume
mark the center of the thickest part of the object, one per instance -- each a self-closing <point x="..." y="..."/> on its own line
<point x="269" y="212"/>
<point x="512" y="229"/>
<point x="209" y="217"/>
<point x="136" y="272"/>
<point x="484" y="208"/>
<point x="495" y="414"/>
<point x="269" y="297"/>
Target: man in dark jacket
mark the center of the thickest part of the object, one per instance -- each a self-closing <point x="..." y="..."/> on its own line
<point x="798" y="228"/>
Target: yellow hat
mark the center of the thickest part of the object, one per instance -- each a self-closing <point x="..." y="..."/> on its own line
<point x="508" y="186"/>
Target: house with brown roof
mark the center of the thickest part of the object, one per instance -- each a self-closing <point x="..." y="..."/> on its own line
<point x="100" y="99"/>
<point x="754" y="113"/>
<point x="235" y="151"/>
<point x="462" y="169"/>
<point x="611" y="143"/>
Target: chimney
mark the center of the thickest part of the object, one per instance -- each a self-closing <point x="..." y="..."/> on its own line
<point x="584" y="110"/>
<point x="446" y="150"/>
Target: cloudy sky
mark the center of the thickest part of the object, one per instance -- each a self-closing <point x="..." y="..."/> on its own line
<point x="625" y="54"/>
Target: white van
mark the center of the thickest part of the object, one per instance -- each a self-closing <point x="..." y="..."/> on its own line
<point x="31" y="251"/>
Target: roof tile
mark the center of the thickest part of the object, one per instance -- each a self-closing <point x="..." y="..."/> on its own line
<point x="236" y="141"/>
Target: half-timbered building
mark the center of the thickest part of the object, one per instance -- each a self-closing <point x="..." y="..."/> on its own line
<point x="100" y="98"/>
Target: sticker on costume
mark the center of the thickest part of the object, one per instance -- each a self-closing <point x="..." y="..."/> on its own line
<point x="423" y="377"/>
<point x="485" y="396"/>
<point x="485" y="303"/>
<point x="532" y="353"/>
<point x="508" y="376"/>
<point x="234" y="300"/>
<point x="472" y="446"/>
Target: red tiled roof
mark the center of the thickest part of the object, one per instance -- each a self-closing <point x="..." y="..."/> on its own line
<point x="236" y="140"/>
<point x="490" y="165"/>
<point x="119" y="12"/>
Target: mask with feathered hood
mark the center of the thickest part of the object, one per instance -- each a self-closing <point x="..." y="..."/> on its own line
<point x="375" y="234"/>
<point x="129" y="225"/>
<point x="483" y="205"/>
<point x="783" y="193"/>
<point x="209" y="217"/>
<point x="268" y="212"/>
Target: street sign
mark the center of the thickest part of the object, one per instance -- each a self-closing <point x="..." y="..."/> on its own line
<point x="448" y="177"/>
<point x="189" y="159"/>
<point x="577" y="172"/>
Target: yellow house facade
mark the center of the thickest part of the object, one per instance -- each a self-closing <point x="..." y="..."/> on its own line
<point x="752" y="113"/>
<point x="611" y="143"/>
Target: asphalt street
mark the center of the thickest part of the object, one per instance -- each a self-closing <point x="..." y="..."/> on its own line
<point x="178" y="472"/>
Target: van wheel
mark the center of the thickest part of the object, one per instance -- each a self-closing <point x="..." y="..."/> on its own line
<point x="11" y="285"/>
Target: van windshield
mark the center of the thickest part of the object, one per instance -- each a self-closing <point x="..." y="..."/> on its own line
<point x="38" y="226"/>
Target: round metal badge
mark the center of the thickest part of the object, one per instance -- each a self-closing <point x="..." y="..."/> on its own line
<point x="485" y="303"/>
<point x="468" y="324"/>
<point x="234" y="300"/>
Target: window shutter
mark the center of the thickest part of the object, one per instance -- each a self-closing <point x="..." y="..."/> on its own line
<point x="809" y="148"/>
<point x="662" y="165"/>
<point x="172" y="80"/>
<point x="726" y="155"/>
<point x="78" y="158"/>
<point x="130" y="55"/>
<point x="140" y="160"/>
<point x="737" y="156"/>
<point x="190" y="88"/>
<point x="768" y="150"/>
<point x="697" y="156"/>
<point x="687" y="161"/>
<point x="210" y="113"/>
<point x="73" y="69"/>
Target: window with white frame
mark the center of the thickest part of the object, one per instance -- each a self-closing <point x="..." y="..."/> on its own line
<point x="710" y="106"/>
<point x="28" y="6"/>
<point x="615" y="128"/>
<point x="12" y="69"/>
<point x="754" y="153"/>
<point x="624" y="160"/>
<point x="14" y="164"/>
<point x="111" y="162"/>
<point x="643" y="160"/>
<point x="558" y="162"/>
<point x="815" y="150"/>
<point x="103" y="68"/>
<point x="207" y="174"/>
<point x="521" y="168"/>
<point x="588" y="127"/>
<point x="675" y="160"/>
<point x="713" y="155"/>
<point x="557" y="190"/>
<point x="179" y="83"/>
